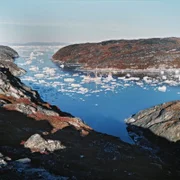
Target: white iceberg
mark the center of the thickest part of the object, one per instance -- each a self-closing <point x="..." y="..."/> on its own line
<point x="49" y="71"/>
<point x="75" y="85"/>
<point x="39" y="75"/>
<point x="34" y="68"/>
<point x="162" y="88"/>
<point x="69" y="80"/>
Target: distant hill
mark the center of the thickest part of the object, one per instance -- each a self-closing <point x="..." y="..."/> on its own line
<point x="36" y="44"/>
<point x="158" y="53"/>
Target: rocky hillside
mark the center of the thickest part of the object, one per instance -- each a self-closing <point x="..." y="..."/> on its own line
<point x="158" y="128"/>
<point x="7" y="56"/>
<point x="162" y="120"/>
<point x="39" y="141"/>
<point x="123" y="54"/>
<point x="7" y="53"/>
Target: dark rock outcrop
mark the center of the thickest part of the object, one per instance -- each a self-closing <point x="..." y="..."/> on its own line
<point x="7" y="56"/>
<point x="142" y="54"/>
<point x="162" y="120"/>
<point x="7" y="53"/>
<point x="158" y="129"/>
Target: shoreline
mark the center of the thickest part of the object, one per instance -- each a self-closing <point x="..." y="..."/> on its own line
<point x="172" y="73"/>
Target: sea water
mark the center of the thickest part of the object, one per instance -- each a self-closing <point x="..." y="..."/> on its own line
<point x="102" y="103"/>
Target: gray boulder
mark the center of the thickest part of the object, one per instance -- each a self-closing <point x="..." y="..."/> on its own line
<point x="37" y="143"/>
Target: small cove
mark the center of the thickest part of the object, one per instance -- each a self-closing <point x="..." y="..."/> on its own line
<point x="103" y="105"/>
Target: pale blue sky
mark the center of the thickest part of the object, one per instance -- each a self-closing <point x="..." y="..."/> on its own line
<point x="87" y="20"/>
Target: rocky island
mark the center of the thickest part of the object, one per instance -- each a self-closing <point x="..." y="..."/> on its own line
<point x="39" y="141"/>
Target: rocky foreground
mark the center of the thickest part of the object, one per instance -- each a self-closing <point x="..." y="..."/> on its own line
<point x="158" y="128"/>
<point x="123" y="55"/>
<point x="39" y="141"/>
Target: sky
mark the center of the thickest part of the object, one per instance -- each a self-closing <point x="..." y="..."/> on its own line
<point x="74" y="21"/>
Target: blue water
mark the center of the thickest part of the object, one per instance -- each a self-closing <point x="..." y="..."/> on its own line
<point x="104" y="106"/>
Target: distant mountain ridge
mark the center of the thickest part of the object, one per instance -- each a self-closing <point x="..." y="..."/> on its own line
<point x="36" y="44"/>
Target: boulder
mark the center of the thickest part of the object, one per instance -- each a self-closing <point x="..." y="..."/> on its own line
<point x="37" y="143"/>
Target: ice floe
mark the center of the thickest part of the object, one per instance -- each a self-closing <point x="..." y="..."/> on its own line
<point x="164" y="77"/>
<point x="69" y="79"/>
<point x="75" y="85"/>
<point x="162" y="72"/>
<point x="29" y="78"/>
<point x="171" y="82"/>
<point x="109" y="77"/>
<point x="162" y="88"/>
<point x="147" y="79"/>
<point x="32" y="56"/>
<point x="83" y="90"/>
<point x="39" y="75"/>
<point x="49" y="71"/>
<point x="177" y="71"/>
<point x="34" y="68"/>
<point x="61" y="66"/>
<point x="75" y="75"/>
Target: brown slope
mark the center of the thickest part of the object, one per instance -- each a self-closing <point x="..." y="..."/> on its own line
<point x="123" y="54"/>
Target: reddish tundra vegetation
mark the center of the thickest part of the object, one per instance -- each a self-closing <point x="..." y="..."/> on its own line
<point x="123" y="54"/>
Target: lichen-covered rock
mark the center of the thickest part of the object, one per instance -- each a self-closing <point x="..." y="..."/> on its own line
<point x="37" y="143"/>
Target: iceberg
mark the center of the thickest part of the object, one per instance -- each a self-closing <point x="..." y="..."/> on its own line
<point x="162" y="88"/>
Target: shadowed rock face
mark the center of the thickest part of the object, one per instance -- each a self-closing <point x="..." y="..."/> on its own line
<point x="123" y="54"/>
<point x="7" y="53"/>
<point x="7" y="56"/>
<point x="162" y="120"/>
<point x="56" y="145"/>
<point x="158" y="129"/>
